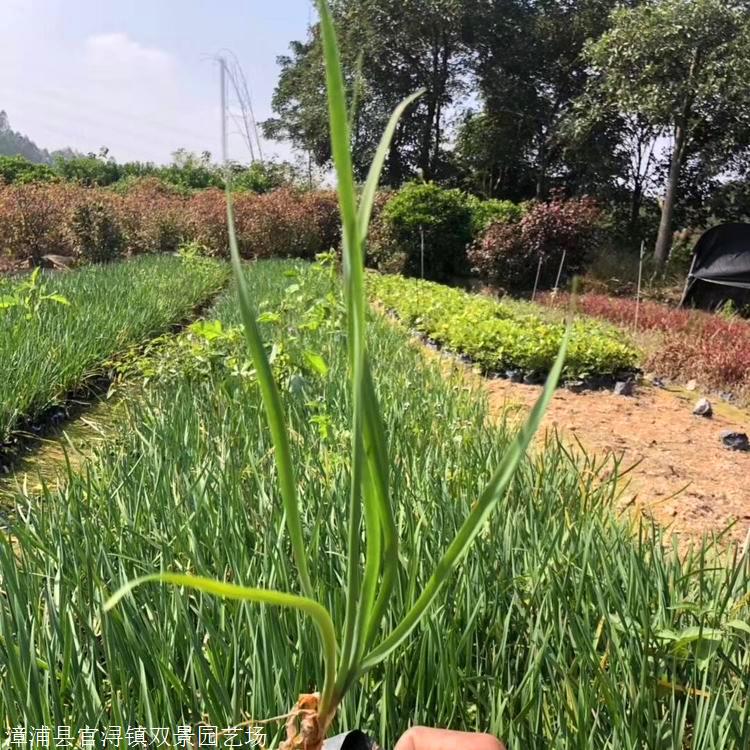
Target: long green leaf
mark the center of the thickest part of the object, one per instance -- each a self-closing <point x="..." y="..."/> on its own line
<point x="355" y="316"/>
<point x="367" y="199"/>
<point x="274" y="410"/>
<point x="315" y="611"/>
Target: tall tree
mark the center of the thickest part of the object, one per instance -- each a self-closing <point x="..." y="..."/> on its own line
<point x="529" y="68"/>
<point x="680" y="66"/>
<point x="390" y="48"/>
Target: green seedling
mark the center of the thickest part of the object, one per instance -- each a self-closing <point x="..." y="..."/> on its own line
<point x="30" y="295"/>
<point x="359" y="644"/>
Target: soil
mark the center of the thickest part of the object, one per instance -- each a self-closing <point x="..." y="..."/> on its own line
<point x="684" y="478"/>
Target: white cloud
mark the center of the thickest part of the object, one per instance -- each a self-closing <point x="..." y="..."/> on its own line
<point x="118" y="55"/>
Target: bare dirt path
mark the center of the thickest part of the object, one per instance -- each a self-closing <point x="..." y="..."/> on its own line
<point x="686" y="479"/>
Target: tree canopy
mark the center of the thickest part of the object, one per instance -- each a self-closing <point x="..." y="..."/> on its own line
<point x="632" y="101"/>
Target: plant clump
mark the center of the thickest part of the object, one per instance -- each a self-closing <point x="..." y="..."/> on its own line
<point x="500" y="335"/>
<point x="509" y="254"/>
<point x="96" y="236"/>
<point x="425" y="216"/>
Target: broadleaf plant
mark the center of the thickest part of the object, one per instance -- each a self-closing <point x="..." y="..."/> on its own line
<point x="369" y="590"/>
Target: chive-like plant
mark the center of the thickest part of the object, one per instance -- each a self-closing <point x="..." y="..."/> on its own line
<point x="369" y="588"/>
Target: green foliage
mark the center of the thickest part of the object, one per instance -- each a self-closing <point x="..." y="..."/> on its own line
<point x="442" y="216"/>
<point x="263" y="177"/>
<point x="87" y="170"/>
<point x="191" y="172"/>
<point x="29" y="295"/>
<point x="528" y="66"/>
<point x="96" y="236"/>
<point x="678" y="66"/>
<point x="486" y="212"/>
<point x="45" y="356"/>
<point x="566" y="622"/>
<point x="403" y="47"/>
<point x="502" y="336"/>
<point x="17" y="169"/>
<point x="675" y="60"/>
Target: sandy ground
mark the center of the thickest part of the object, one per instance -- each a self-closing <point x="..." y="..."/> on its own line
<point x="685" y="478"/>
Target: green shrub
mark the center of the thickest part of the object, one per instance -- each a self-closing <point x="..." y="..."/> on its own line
<point x="442" y="215"/>
<point x="18" y="169"/>
<point x="486" y="212"/>
<point x="96" y="235"/>
<point x="88" y="170"/>
<point x="262" y="177"/>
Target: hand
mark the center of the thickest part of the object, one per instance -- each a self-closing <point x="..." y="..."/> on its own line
<point x="428" y="738"/>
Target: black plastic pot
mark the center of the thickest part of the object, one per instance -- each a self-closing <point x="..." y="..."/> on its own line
<point x="353" y="740"/>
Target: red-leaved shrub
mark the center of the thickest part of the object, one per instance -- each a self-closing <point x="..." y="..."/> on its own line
<point x="149" y="216"/>
<point x="93" y="228"/>
<point x="694" y="344"/>
<point x="509" y="254"/>
<point x="207" y="219"/>
<point x="282" y="223"/>
<point x="153" y="216"/>
<point x="33" y="217"/>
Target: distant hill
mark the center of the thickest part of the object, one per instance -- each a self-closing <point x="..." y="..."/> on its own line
<point x="13" y="143"/>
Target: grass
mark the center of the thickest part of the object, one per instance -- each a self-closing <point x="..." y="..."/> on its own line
<point x="562" y="629"/>
<point x="45" y="354"/>
<point x="504" y="335"/>
<point x="369" y="585"/>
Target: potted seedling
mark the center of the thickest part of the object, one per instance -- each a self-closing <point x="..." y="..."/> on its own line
<point x="359" y="644"/>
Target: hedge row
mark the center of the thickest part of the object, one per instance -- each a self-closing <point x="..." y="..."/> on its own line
<point x="95" y="224"/>
<point x="426" y="230"/>
<point x="692" y="344"/>
<point x="502" y="336"/>
<point x="423" y="229"/>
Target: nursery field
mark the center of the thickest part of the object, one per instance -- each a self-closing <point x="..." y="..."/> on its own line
<point x="506" y="335"/>
<point x="57" y="330"/>
<point x="562" y="628"/>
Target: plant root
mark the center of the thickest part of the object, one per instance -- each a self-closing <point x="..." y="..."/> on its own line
<point x="305" y="727"/>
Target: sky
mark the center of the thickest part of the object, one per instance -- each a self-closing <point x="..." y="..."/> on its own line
<point x="139" y="76"/>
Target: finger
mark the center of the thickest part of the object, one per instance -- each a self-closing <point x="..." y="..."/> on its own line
<point x="428" y="738"/>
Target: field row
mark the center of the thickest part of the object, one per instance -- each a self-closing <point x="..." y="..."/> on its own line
<point x="558" y="625"/>
<point x="684" y="344"/>
<point x="502" y="336"/>
<point x="56" y="330"/>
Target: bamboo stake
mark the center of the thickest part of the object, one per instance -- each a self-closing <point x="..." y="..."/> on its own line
<point x="536" y="280"/>
<point x="638" y="292"/>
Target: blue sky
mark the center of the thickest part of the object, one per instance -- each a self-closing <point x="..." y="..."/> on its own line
<point x="137" y="76"/>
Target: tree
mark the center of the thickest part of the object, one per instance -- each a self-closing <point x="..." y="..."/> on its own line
<point x="92" y="169"/>
<point x="390" y="49"/>
<point x="529" y="69"/>
<point x="492" y="154"/>
<point x="678" y="65"/>
<point x="614" y="156"/>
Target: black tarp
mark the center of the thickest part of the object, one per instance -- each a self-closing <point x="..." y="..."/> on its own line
<point x="721" y="268"/>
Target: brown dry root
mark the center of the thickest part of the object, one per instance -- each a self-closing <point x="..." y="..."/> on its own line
<point x="305" y="728"/>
